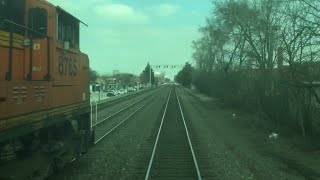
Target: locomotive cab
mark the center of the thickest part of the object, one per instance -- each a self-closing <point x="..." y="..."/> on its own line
<point x="42" y="66"/>
<point x="44" y="83"/>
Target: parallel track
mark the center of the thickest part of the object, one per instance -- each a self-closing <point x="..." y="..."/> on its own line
<point x="173" y="156"/>
<point x="120" y="102"/>
<point x="110" y="102"/>
<point x="132" y="108"/>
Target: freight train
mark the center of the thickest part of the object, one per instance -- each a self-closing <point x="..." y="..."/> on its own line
<point x="44" y="89"/>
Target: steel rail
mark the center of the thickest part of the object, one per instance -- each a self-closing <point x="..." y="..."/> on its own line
<point x="97" y="141"/>
<point x="187" y="134"/>
<point x="157" y="139"/>
<point x="123" y="109"/>
<point x="115" y="127"/>
<point x="190" y="143"/>
<point x="107" y="133"/>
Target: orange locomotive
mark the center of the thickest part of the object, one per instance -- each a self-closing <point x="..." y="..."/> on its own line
<point x="44" y="85"/>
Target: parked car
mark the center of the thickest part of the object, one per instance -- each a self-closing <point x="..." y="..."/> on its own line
<point x="130" y="89"/>
<point x="122" y="91"/>
<point x="110" y="93"/>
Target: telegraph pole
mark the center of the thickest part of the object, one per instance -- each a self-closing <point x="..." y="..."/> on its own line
<point x="150" y="74"/>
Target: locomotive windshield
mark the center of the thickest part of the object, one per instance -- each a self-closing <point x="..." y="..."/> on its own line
<point x="12" y="10"/>
<point x="67" y="28"/>
<point x="38" y="21"/>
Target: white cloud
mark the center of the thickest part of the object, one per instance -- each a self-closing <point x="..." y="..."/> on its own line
<point x="121" y="13"/>
<point x="164" y="9"/>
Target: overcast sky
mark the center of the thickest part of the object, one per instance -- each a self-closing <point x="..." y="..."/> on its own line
<point x="126" y="34"/>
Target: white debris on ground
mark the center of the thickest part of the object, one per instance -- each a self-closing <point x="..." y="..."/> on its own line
<point x="273" y="135"/>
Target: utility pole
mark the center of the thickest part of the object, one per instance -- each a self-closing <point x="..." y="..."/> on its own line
<point x="150" y="74"/>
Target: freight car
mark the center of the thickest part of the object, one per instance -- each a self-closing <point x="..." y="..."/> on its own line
<point x="44" y="89"/>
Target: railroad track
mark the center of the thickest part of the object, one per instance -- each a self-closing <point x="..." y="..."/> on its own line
<point x="103" y="127"/>
<point x="104" y="109"/>
<point x="173" y="156"/>
<point x="113" y="101"/>
<point x="108" y="124"/>
<point x="169" y="147"/>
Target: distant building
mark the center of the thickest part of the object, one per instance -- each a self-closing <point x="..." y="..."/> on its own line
<point x="98" y="85"/>
<point x="111" y="83"/>
<point x="95" y="87"/>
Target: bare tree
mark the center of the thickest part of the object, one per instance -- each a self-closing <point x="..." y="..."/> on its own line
<point x="256" y="46"/>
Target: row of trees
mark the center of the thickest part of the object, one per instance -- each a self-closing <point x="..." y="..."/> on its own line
<point x="123" y="79"/>
<point x="184" y="77"/>
<point x="264" y="55"/>
<point x="127" y="78"/>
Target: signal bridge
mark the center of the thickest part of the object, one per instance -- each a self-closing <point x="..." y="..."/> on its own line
<point x="168" y="66"/>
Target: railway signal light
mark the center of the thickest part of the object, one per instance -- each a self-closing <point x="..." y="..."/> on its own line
<point x="167" y="66"/>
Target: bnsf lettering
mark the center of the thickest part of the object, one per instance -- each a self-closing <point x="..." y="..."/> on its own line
<point x="67" y="66"/>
